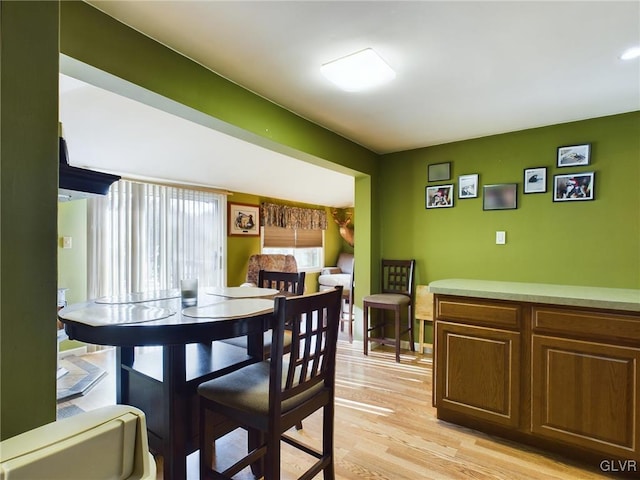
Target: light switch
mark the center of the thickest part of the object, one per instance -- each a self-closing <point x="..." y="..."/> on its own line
<point x="66" y="242"/>
<point x="501" y="238"/>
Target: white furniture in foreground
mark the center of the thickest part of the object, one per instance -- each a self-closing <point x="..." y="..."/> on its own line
<point x="106" y="443"/>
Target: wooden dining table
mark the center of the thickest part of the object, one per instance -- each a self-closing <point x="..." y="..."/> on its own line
<point x="164" y="351"/>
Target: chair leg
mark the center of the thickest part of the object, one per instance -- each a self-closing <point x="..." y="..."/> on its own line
<point x="411" y="337"/>
<point x="351" y="320"/>
<point x="365" y="328"/>
<point x="255" y="438"/>
<point x="272" y="463"/>
<point x="397" y="322"/>
<point x="327" y="439"/>
<point x="206" y="443"/>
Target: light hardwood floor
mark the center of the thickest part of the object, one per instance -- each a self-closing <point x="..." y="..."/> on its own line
<point x="386" y="428"/>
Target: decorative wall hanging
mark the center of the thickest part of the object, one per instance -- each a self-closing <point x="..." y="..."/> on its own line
<point x="503" y="196"/>
<point x="574" y="155"/>
<point x="535" y="180"/>
<point x="244" y="219"/>
<point x="574" y="186"/>
<point x="468" y="186"/>
<point x="437" y="172"/>
<point x="342" y="217"/>
<point x="439" y="196"/>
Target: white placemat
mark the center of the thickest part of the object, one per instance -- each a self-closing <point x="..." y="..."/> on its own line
<point x="242" y="292"/>
<point x="236" y="308"/>
<point x="101" y="315"/>
<point x="140" y="297"/>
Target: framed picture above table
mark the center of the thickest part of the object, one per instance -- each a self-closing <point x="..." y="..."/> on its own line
<point x="244" y="219"/>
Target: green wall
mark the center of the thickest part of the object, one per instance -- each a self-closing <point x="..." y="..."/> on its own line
<point x="580" y="243"/>
<point x="72" y="262"/>
<point x="28" y="202"/>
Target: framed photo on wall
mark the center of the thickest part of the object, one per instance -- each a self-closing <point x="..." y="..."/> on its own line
<point x="503" y="196"/>
<point x="574" y="187"/>
<point x="437" y="172"/>
<point x="439" y="196"/>
<point x="468" y="186"/>
<point x="574" y="155"/>
<point x="535" y="180"/>
<point x="243" y="219"/>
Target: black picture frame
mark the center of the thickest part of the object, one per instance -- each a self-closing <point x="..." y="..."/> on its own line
<point x="439" y="172"/>
<point x="572" y="187"/>
<point x="501" y="196"/>
<point x="439" y="196"/>
<point x="468" y="186"/>
<point x="535" y="180"/>
<point x="574" y="155"/>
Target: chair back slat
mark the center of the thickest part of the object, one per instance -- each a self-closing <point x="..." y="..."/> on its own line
<point x="285" y="282"/>
<point x="313" y="320"/>
<point x="398" y="276"/>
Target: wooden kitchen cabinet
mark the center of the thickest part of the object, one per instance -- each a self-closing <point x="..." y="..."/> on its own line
<point x="561" y="377"/>
<point x="480" y="372"/>
<point x="586" y="379"/>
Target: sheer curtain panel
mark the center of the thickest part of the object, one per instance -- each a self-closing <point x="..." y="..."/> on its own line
<point x="145" y="237"/>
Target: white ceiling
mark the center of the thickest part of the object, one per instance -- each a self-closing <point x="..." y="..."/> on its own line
<point x="464" y="69"/>
<point x="113" y="133"/>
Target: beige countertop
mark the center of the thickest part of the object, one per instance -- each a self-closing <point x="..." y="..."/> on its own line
<point x="571" y="295"/>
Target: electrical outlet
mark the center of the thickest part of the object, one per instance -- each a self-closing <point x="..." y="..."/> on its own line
<point x="501" y="238"/>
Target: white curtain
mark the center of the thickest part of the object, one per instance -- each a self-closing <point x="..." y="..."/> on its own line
<point x="145" y="237"/>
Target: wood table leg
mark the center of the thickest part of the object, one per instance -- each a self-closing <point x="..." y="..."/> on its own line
<point x="176" y="418"/>
<point x="124" y="358"/>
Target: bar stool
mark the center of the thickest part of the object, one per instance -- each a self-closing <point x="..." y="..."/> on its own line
<point x="396" y="295"/>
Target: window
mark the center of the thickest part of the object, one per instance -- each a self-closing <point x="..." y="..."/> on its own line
<point x="305" y="245"/>
<point x="145" y="237"/>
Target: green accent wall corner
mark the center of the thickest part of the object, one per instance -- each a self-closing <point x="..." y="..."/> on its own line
<point x="28" y="200"/>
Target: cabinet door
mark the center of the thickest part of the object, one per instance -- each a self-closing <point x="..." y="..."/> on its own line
<point x="478" y="371"/>
<point x="587" y="394"/>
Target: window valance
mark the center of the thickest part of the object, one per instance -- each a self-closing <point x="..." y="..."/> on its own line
<point x="284" y="216"/>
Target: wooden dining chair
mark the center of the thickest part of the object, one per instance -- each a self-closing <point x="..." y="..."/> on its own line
<point x="270" y="397"/>
<point x="397" y="295"/>
<point x="286" y="282"/>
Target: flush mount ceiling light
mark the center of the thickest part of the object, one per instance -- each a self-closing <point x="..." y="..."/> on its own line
<point x="631" y="53"/>
<point x="358" y="71"/>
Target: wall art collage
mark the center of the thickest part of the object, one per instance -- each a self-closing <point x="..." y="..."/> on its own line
<point x="567" y="187"/>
